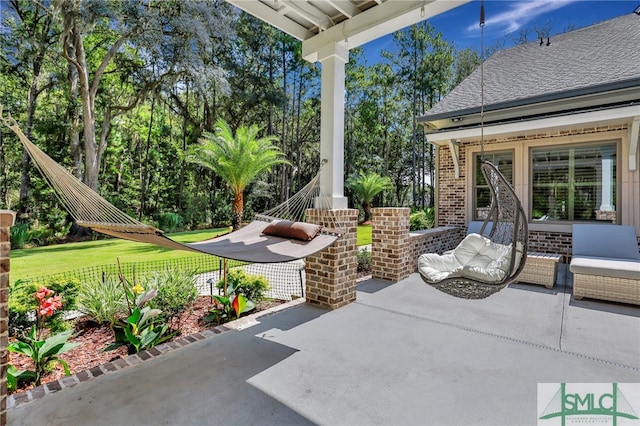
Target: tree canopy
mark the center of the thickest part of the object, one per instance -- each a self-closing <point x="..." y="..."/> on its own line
<point x="118" y="91"/>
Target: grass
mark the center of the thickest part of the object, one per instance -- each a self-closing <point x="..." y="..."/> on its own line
<point x="40" y="261"/>
<point x="364" y="235"/>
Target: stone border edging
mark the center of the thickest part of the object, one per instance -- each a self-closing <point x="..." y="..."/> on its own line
<point x="19" y="399"/>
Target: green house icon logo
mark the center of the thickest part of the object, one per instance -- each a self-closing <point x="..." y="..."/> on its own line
<point x="582" y="406"/>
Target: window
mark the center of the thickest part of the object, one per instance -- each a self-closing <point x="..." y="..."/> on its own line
<point x="574" y="183"/>
<point x="482" y="194"/>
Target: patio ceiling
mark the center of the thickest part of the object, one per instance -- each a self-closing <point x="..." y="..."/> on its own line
<point x="353" y="23"/>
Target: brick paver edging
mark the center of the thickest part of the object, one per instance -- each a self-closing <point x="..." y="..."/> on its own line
<point x="21" y="398"/>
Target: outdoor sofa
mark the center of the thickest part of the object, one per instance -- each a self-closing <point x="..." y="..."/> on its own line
<point x="606" y="263"/>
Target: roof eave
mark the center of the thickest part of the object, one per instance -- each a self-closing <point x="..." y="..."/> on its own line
<point x="548" y="103"/>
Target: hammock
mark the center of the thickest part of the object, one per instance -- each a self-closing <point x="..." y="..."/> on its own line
<point x="479" y="266"/>
<point x="248" y="244"/>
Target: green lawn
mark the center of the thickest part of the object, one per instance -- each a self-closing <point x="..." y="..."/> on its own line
<point x="40" y="261"/>
<point x="364" y="235"/>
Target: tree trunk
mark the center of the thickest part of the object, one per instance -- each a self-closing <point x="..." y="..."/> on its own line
<point x="146" y="174"/>
<point x="366" y="206"/>
<point x="73" y="115"/>
<point x="238" y="207"/>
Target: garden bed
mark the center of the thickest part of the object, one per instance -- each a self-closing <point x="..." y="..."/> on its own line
<point x="93" y="338"/>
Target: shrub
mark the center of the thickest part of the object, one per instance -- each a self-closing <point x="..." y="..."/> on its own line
<point x="176" y="290"/>
<point x="253" y="287"/>
<point x="170" y="222"/>
<point x="364" y="260"/>
<point x="19" y="235"/>
<point x="103" y="301"/>
<point x="421" y="219"/>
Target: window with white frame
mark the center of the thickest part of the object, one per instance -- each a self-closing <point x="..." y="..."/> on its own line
<point x="574" y="183"/>
<point x="503" y="160"/>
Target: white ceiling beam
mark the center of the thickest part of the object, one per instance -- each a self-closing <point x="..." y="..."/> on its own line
<point x="345" y="7"/>
<point x="376" y="22"/>
<point x="308" y="12"/>
<point x="271" y="16"/>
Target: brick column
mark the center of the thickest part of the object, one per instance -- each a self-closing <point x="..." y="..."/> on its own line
<point x="390" y="243"/>
<point x="331" y="274"/>
<point x="7" y="219"/>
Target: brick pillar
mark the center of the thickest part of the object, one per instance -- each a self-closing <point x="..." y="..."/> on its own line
<point x="390" y="243"/>
<point x="7" y="219"/>
<point x="331" y="274"/>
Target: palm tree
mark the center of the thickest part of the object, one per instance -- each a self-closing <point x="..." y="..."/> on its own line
<point x="366" y="186"/>
<point x="238" y="159"/>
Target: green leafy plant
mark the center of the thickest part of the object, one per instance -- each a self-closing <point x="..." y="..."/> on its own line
<point x="144" y="327"/>
<point x="176" y="291"/>
<point x="42" y="352"/>
<point x="18" y="236"/>
<point x="229" y="308"/>
<point x="170" y="222"/>
<point x="103" y="301"/>
<point x="253" y="287"/>
<point x="15" y="376"/>
<point x="421" y="219"/>
<point x="364" y="261"/>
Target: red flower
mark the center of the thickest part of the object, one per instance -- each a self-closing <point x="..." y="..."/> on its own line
<point x="42" y="293"/>
<point x="47" y="307"/>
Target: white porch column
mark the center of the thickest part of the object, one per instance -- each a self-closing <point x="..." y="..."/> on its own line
<point x="607" y="183"/>
<point x="333" y="58"/>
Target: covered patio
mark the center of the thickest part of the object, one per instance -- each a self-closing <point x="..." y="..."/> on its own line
<point x="401" y="354"/>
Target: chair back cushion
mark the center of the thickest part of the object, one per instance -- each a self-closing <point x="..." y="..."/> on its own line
<point x="605" y="240"/>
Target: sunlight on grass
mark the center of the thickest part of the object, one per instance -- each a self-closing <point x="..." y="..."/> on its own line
<point x="364" y="235"/>
<point x="39" y="261"/>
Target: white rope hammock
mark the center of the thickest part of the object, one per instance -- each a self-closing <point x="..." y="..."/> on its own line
<point x="248" y="244"/>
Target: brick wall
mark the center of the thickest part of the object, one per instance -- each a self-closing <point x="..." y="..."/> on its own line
<point x="551" y="242"/>
<point x="7" y="219"/>
<point x="395" y="251"/>
<point x="331" y="274"/>
<point x="390" y="237"/>
<point x="451" y="198"/>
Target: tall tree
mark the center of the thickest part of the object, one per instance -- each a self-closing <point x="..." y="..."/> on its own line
<point x="169" y="39"/>
<point x="237" y="158"/>
<point x="25" y="48"/>
<point x="423" y="60"/>
<point x="367" y="185"/>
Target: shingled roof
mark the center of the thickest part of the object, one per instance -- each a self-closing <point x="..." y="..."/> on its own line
<point x="594" y="59"/>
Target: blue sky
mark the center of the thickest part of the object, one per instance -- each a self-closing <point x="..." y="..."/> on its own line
<point x="504" y="19"/>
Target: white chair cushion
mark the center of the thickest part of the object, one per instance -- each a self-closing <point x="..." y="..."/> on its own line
<point x="476" y="257"/>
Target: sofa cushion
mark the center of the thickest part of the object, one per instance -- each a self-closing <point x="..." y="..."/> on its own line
<point x="605" y="241"/>
<point x="606" y="267"/>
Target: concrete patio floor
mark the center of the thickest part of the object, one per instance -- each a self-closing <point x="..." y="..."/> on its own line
<point x="403" y="354"/>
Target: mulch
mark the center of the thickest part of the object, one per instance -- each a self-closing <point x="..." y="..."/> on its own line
<point x="93" y="338"/>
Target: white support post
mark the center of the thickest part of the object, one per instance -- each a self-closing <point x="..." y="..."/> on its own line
<point x="333" y="59"/>
<point x="454" y="147"/>
<point x="634" y="135"/>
